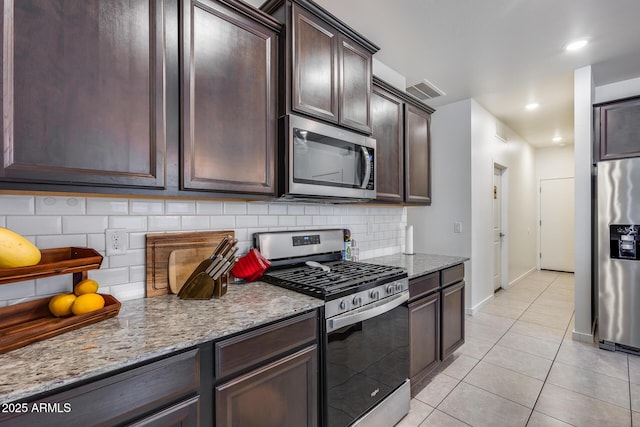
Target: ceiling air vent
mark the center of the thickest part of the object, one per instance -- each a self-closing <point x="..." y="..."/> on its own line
<point x="501" y="131"/>
<point x="425" y="90"/>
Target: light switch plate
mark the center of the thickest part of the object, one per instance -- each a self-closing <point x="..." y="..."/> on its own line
<point x="457" y="227"/>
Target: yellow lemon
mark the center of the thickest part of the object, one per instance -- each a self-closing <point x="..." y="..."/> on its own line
<point x="60" y="305"/>
<point x="86" y="303"/>
<point x="86" y="286"/>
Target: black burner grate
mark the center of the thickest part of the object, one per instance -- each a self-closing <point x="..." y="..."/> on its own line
<point x="345" y="277"/>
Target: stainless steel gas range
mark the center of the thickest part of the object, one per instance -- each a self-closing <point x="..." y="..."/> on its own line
<point x="365" y="348"/>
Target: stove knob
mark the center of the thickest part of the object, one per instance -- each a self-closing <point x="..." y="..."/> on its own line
<point x="374" y="295"/>
<point x="344" y="305"/>
<point x="357" y="301"/>
<point x="399" y="287"/>
<point x="390" y="289"/>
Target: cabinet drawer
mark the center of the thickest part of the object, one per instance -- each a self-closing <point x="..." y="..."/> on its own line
<point x="423" y="285"/>
<point x="246" y="350"/>
<point x="116" y="399"/>
<point x="452" y="275"/>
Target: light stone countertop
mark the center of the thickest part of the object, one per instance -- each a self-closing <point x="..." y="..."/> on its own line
<point x="144" y="329"/>
<point x="419" y="264"/>
<point x="151" y="327"/>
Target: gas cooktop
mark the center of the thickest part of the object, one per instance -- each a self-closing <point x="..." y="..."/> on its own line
<point x="343" y="278"/>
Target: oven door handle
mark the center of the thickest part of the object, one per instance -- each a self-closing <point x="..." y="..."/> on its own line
<point x="366" y="313"/>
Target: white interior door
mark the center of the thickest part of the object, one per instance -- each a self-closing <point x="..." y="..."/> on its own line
<point x="497" y="228"/>
<point x="557" y="217"/>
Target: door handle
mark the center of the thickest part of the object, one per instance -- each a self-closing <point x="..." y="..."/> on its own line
<point x="502" y="235"/>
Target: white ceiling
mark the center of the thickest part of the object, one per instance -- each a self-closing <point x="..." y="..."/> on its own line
<point x="502" y="53"/>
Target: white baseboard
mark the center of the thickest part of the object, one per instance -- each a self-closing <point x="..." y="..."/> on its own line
<point x="581" y="336"/>
<point x="473" y="310"/>
<point x="519" y="278"/>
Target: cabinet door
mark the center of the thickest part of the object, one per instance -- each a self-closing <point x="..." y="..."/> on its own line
<point x="417" y="160"/>
<point x="387" y="129"/>
<point x="314" y="85"/>
<point x="283" y="393"/>
<point x="424" y="339"/>
<point x="355" y="85"/>
<point x="618" y="129"/>
<point x="184" y="414"/>
<point x="229" y="100"/>
<point x="118" y="398"/>
<point x="83" y="96"/>
<point x="452" y="319"/>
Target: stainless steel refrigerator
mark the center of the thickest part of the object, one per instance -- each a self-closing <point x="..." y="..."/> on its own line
<point x="618" y="254"/>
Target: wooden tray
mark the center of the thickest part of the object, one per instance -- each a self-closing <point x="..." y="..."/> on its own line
<point x="159" y="247"/>
<point x="31" y="321"/>
<point x="53" y="262"/>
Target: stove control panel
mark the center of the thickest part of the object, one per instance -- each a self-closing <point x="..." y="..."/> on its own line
<point x="361" y="299"/>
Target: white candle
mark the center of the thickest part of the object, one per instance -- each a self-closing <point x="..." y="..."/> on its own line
<point x="409" y="240"/>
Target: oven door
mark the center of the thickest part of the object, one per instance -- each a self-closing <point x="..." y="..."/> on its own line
<point x="326" y="161"/>
<point x="367" y="358"/>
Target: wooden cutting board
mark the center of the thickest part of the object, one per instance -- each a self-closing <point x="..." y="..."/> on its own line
<point x="182" y="262"/>
<point x="158" y="252"/>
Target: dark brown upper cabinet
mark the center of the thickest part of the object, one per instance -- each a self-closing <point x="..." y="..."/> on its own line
<point x="617" y="129"/>
<point x="417" y="155"/>
<point x="229" y="97"/>
<point x="401" y="127"/>
<point x="387" y="112"/>
<point x="327" y="66"/>
<point x="83" y="97"/>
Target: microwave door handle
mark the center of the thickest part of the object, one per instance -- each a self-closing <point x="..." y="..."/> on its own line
<point x="367" y="167"/>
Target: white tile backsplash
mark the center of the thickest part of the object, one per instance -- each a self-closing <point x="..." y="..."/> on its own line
<point x="17" y="205"/>
<point x="180" y="207"/>
<point x="144" y="207"/>
<point x="209" y="208"/>
<point x="132" y="222"/>
<point x="107" y="206"/>
<point x="62" y="241"/>
<point x="35" y="225"/>
<point x="48" y="205"/>
<point x="82" y="222"/>
<point x="164" y="223"/>
<point x="195" y="222"/>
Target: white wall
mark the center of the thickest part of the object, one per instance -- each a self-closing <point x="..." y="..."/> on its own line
<point x="451" y="189"/>
<point x="583" y="124"/>
<point x="555" y="162"/>
<point x="61" y="221"/>
<point x="518" y="157"/>
<point x="464" y="149"/>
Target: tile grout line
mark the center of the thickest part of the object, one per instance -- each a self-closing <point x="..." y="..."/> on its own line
<point x="552" y="362"/>
<point x="494" y="344"/>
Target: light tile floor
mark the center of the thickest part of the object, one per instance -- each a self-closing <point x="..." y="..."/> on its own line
<point x="519" y="366"/>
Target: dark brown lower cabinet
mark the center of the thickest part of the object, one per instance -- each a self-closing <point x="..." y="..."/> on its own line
<point x="146" y="395"/>
<point x="280" y="394"/>
<point x="269" y="376"/>
<point x="452" y="318"/>
<point x="424" y="335"/>
<point x="184" y="414"/>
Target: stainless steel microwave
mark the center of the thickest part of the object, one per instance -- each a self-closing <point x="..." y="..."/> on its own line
<point x="327" y="162"/>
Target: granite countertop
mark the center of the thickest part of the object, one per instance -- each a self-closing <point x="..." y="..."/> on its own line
<point x="144" y="329"/>
<point x="419" y="264"/>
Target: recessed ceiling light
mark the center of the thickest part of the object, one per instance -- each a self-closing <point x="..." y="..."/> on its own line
<point x="576" y="44"/>
<point x="556" y="139"/>
<point x="531" y="106"/>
